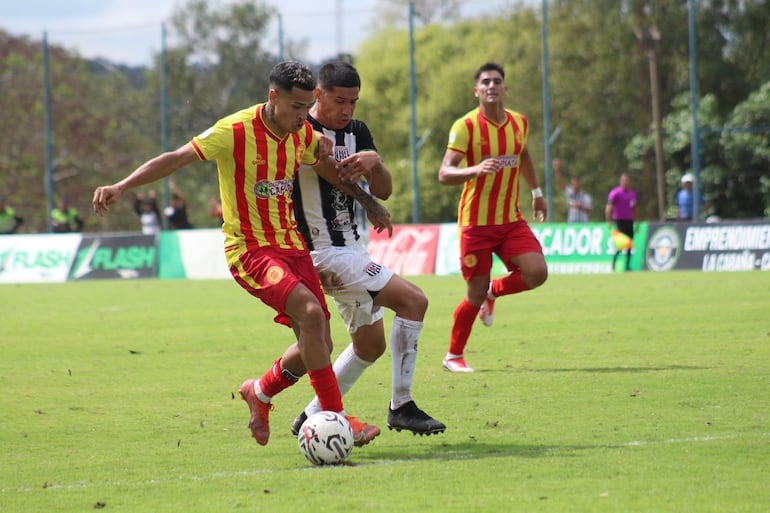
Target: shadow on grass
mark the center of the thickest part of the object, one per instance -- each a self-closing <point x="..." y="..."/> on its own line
<point x="602" y="369"/>
<point x="470" y="450"/>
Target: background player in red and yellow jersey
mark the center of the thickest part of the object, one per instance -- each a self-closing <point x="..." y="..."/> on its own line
<point x="258" y="152"/>
<point x="491" y="141"/>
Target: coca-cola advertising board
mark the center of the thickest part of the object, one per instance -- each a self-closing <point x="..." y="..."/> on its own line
<point x="410" y="251"/>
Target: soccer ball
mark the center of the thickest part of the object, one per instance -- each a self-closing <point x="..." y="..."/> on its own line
<point x="326" y="438"/>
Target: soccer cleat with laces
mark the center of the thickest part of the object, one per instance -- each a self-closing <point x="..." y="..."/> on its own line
<point x="487" y="312"/>
<point x="413" y="419"/>
<point x="297" y="424"/>
<point x="259" y="420"/>
<point x="363" y="433"/>
<point x="456" y="365"/>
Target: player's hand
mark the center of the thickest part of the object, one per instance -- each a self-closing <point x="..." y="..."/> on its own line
<point x="539" y="209"/>
<point x="379" y="217"/>
<point x="104" y="197"/>
<point x="487" y="167"/>
<point x="357" y="166"/>
<point x="325" y="146"/>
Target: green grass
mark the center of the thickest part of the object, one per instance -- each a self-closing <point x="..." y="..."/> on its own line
<point x="637" y="392"/>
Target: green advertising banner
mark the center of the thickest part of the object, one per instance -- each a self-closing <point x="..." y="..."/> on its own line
<point x="575" y="248"/>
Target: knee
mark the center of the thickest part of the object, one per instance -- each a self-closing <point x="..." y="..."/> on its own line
<point x="313" y="317"/>
<point x="419" y="303"/>
<point x="537" y="276"/>
<point x="411" y="304"/>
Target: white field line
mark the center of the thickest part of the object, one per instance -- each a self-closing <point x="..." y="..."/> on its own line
<point x="256" y="472"/>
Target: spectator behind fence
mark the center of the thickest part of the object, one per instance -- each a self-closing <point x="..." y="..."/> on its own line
<point x="9" y="221"/>
<point x="176" y="212"/>
<point x="65" y="218"/>
<point x="579" y="202"/>
<point x="684" y="200"/>
<point x="147" y="210"/>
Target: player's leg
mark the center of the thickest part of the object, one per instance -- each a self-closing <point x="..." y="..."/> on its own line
<point x="409" y="303"/>
<point x="523" y="257"/>
<point x="462" y="323"/>
<point x="350" y="365"/>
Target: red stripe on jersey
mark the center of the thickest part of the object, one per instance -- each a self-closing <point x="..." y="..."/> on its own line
<point x="197" y="150"/>
<point x="514" y="189"/>
<point x="261" y="134"/>
<point x="239" y="178"/>
<point x="284" y="201"/>
<point x="486" y="152"/>
<point x="503" y="150"/>
<point x="470" y="160"/>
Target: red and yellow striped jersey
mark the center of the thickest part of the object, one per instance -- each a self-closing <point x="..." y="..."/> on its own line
<point x="256" y="177"/>
<point x="490" y="199"/>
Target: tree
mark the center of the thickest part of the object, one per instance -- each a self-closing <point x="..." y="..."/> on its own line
<point x="746" y="141"/>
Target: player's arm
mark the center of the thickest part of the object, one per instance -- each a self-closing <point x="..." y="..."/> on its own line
<point x="377" y="214"/>
<point x="369" y="166"/>
<point x="527" y="170"/>
<point x="151" y="171"/>
<point x="450" y="172"/>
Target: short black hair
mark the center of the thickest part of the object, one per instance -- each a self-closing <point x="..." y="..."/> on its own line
<point x="290" y="74"/>
<point x="338" y="74"/>
<point x="489" y="66"/>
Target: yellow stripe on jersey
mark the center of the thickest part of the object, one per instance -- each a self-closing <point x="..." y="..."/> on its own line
<point x="256" y="177"/>
<point x="490" y="199"/>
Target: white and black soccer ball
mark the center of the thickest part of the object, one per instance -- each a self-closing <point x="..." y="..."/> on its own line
<point x="326" y="438"/>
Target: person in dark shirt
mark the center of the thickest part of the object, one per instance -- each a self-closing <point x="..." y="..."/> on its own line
<point x="176" y="212"/>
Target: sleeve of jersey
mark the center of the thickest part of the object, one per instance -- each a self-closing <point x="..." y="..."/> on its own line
<point x="364" y="138"/>
<point x="311" y="144"/>
<point x="459" y="137"/>
<point x="524" y="129"/>
<point x="213" y="142"/>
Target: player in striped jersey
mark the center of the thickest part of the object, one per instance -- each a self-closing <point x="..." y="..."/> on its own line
<point x="360" y="287"/>
<point x="258" y="151"/>
<point x="491" y="142"/>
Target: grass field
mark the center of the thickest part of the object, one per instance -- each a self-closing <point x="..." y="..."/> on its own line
<point x="637" y="392"/>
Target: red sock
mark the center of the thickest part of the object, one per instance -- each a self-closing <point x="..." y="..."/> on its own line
<point x="464" y="315"/>
<point x="324" y="382"/>
<point x="511" y="284"/>
<point x="275" y="380"/>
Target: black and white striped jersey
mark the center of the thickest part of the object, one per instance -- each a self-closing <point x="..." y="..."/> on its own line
<point x="325" y="214"/>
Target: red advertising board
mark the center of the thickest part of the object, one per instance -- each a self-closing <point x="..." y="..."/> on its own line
<point x="410" y="251"/>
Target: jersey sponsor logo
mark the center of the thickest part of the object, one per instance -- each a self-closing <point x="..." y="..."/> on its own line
<point x="373" y="269"/>
<point x="470" y="260"/>
<point x="274" y="275"/>
<point x="341" y="222"/>
<point x="259" y="161"/>
<point x="506" y="160"/>
<point x="341" y="153"/>
<point x="266" y="189"/>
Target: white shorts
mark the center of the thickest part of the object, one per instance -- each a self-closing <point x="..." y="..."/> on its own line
<point x="348" y="275"/>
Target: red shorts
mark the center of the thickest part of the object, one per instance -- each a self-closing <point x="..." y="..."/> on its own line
<point x="270" y="274"/>
<point x="478" y="243"/>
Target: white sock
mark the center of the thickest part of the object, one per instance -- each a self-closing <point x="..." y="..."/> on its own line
<point x="403" y="349"/>
<point x="348" y="367"/>
<point x="258" y="390"/>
